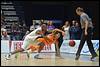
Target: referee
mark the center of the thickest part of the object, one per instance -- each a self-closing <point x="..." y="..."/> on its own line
<point x="87" y="27"/>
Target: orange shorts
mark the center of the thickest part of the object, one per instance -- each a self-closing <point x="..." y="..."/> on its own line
<point x="33" y="47"/>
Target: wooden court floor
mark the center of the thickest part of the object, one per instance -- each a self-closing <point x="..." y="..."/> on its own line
<point x="49" y="59"/>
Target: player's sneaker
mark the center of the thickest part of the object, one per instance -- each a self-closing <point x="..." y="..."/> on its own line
<point x="37" y="56"/>
<point x="77" y="57"/>
<point x="93" y="58"/>
<point x="8" y="56"/>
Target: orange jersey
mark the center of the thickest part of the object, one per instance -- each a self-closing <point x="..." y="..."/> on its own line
<point x="48" y="40"/>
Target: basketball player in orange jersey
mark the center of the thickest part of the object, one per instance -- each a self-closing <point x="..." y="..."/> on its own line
<point x="48" y="40"/>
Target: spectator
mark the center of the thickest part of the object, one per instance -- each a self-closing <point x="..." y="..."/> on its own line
<point x="33" y="26"/>
<point x="50" y="26"/>
<point x="78" y="31"/>
<point x="23" y="31"/>
<point x="15" y="31"/>
<point x="75" y="30"/>
<point x="2" y="28"/>
<point x="4" y="35"/>
<point x="42" y="21"/>
<point x="2" y="20"/>
<point x="66" y="28"/>
<point x="72" y="30"/>
<point x="37" y="24"/>
<point x="27" y="32"/>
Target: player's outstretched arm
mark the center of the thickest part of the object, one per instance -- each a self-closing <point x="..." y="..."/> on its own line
<point x="63" y="33"/>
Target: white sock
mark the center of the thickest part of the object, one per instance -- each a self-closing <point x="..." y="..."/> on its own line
<point x="10" y="53"/>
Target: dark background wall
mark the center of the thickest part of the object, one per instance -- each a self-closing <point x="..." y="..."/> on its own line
<point x="60" y="10"/>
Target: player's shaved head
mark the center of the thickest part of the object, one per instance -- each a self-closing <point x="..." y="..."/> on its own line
<point x="44" y="27"/>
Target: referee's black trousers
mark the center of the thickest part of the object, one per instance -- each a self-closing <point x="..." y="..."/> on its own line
<point x="86" y="38"/>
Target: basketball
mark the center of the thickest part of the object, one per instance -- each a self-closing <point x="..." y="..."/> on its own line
<point x="72" y="43"/>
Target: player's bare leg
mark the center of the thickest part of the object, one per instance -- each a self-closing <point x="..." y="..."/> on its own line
<point x="57" y="49"/>
<point x="19" y="50"/>
<point x="14" y="52"/>
<point x="41" y="45"/>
